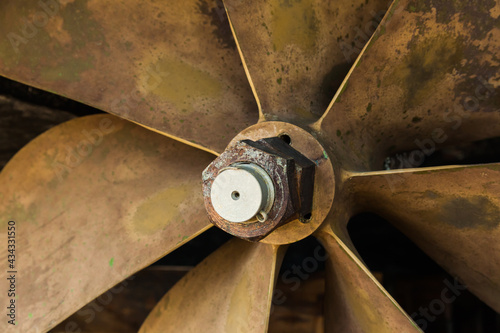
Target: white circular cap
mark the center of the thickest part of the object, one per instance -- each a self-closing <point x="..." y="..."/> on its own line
<point x="239" y="193"/>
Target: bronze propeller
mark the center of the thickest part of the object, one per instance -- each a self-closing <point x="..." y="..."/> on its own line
<point x="188" y="83"/>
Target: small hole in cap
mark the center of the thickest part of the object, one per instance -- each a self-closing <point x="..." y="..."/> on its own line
<point x="235" y="195"/>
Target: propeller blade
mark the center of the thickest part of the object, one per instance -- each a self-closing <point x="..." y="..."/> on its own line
<point x="230" y="291"/>
<point x="451" y="213"/>
<point x="296" y="53"/>
<point x="94" y="200"/>
<point x="355" y="300"/>
<point x="428" y="73"/>
<point x="169" y="66"/>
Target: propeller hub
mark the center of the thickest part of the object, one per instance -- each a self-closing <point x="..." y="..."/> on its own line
<point x="276" y="190"/>
<point x="260" y="184"/>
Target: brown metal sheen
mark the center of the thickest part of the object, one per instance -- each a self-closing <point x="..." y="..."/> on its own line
<point x="296" y="53"/>
<point x="94" y="200"/>
<point x="355" y="300"/>
<point x="230" y="291"/>
<point x="338" y="218"/>
<point x="291" y="173"/>
<point x="324" y="178"/>
<point x="452" y="213"/>
<point x="99" y="198"/>
<point x="429" y="73"/>
<point x="172" y="67"/>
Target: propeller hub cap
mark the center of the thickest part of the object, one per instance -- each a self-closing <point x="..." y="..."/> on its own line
<point x="274" y="183"/>
<point x="243" y="192"/>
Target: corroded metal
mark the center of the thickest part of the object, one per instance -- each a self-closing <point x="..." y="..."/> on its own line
<point x="324" y="177"/>
<point x="172" y="67"/>
<point x="451" y="213"/>
<point x="430" y="72"/>
<point x="95" y="200"/>
<point x="292" y="176"/>
<point x="428" y="78"/>
<point x="297" y="53"/>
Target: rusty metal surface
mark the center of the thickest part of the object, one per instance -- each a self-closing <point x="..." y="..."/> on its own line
<point x="431" y="72"/>
<point x="303" y="176"/>
<point x="291" y="173"/>
<point x="230" y="291"/>
<point x="95" y="200"/>
<point x="172" y="67"/>
<point x="98" y="216"/>
<point x="324" y="178"/>
<point x="355" y="300"/>
<point x="297" y="53"/>
<point x="451" y="213"/>
<point x="277" y="167"/>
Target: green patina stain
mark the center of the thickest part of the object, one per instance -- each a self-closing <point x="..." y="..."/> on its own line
<point x="156" y="212"/>
<point x="472" y="212"/>
<point x="493" y="167"/>
<point x="30" y="315"/>
<point x="181" y="81"/>
<point x="391" y="11"/>
<point x="111" y="262"/>
<point x="69" y="71"/>
<point x="16" y="211"/>
<point x="79" y="22"/>
<point x="220" y="30"/>
<point x="369" y="107"/>
<point x="426" y="65"/>
<point x="57" y="51"/>
<point x="381" y="30"/>
<point x="325" y="155"/>
<point x="475" y="14"/>
<point x="294" y="22"/>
